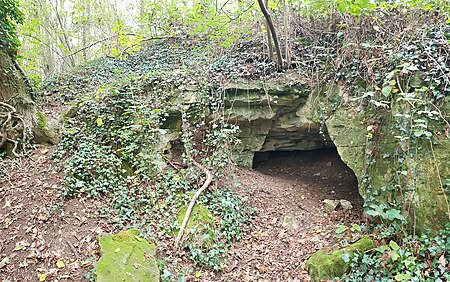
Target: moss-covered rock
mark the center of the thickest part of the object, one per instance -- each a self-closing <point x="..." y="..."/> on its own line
<point x="41" y="120"/>
<point x="126" y="256"/>
<point x="328" y="264"/>
<point x="200" y="227"/>
<point x="46" y="130"/>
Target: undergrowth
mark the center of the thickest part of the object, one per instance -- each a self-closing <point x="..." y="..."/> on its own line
<point x="392" y="65"/>
<point x="115" y="149"/>
<point x="403" y="257"/>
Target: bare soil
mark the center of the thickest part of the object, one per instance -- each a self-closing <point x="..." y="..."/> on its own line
<point x="37" y="231"/>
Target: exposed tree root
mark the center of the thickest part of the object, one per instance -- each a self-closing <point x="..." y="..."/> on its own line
<point x="11" y="122"/>
<point x="209" y="177"/>
<point x="205" y="185"/>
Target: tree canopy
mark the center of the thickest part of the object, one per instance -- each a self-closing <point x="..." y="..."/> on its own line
<point x="10" y="16"/>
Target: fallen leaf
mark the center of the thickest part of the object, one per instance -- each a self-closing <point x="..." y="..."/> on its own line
<point x="23" y="264"/>
<point x="99" y="121"/>
<point x="18" y="247"/>
<point x="198" y="274"/>
<point x="7" y="222"/>
<point x="442" y="260"/>
<point x="60" y="264"/>
<point x="42" y="276"/>
<point x="261" y="268"/>
<point x="4" y="262"/>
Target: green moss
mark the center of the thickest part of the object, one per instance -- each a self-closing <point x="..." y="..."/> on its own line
<point x="41" y="121"/>
<point x="328" y="264"/>
<point x="200" y="215"/>
<point x="200" y="225"/>
<point x="126" y="257"/>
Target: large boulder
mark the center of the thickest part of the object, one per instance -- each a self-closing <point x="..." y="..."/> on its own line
<point x="200" y="226"/>
<point x="126" y="256"/>
<point x="328" y="264"/>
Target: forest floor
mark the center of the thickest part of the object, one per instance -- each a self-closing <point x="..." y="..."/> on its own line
<point x="41" y="238"/>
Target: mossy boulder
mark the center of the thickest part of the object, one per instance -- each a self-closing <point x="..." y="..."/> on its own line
<point x="200" y="227"/>
<point x="328" y="264"/>
<point x="126" y="256"/>
<point x="46" y="130"/>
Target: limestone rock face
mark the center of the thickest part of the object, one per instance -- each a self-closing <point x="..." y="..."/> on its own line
<point x="287" y="115"/>
<point x="273" y="117"/>
<point x="375" y="160"/>
<point x="126" y="257"/>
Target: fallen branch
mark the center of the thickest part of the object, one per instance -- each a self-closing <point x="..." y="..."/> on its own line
<point x="205" y="185"/>
<point x="171" y="164"/>
<point x="74" y="251"/>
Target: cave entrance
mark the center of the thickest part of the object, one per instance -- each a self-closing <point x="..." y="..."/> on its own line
<point x="320" y="174"/>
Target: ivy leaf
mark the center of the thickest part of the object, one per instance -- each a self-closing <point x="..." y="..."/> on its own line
<point x="386" y="90"/>
<point x="393" y="214"/>
<point x="341" y="229"/>
<point x="382" y="248"/>
<point x="356" y="227"/>
<point x="393" y="255"/>
<point x="394" y="245"/>
<point x="372" y="213"/>
<point x="346" y="257"/>
<point x="403" y="277"/>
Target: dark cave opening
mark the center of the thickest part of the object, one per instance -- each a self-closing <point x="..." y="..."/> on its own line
<point x="322" y="172"/>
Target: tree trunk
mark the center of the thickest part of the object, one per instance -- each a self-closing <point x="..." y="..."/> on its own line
<point x="274" y="34"/>
<point x="20" y="121"/>
<point x="269" y="36"/>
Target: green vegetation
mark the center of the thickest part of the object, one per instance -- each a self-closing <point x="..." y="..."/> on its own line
<point x="10" y="16"/>
<point x="151" y="92"/>
<point x="403" y="258"/>
<point x="121" y="138"/>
